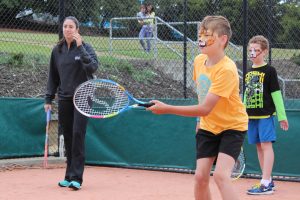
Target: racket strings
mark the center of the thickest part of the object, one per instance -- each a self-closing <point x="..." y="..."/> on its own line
<point x="83" y="94"/>
<point x="112" y="94"/>
<point x="101" y="98"/>
<point x="239" y="166"/>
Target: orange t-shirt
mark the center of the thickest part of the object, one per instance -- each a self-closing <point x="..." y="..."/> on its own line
<point x="220" y="79"/>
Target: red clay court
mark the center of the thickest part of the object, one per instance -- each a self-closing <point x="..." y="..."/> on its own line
<point x="107" y="183"/>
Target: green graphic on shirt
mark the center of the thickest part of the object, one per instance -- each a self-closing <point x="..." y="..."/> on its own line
<point x="254" y="89"/>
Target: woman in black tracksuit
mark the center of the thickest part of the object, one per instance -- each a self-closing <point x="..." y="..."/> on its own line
<point x="72" y="63"/>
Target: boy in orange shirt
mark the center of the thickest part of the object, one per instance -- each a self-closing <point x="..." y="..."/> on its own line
<point x="224" y="120"/>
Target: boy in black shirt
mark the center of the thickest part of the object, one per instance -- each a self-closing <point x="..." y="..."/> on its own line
<point x="263" y="100"/>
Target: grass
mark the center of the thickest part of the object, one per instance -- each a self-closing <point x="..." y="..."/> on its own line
<point x="284" y="53"/>
<point x="18" y="41"/>
<point x="15" y="47"/>
<point x="39" y="45"/>
<point x="144" y="75"/>
<point x="27" y="37"/>
<point x="29" y="54"/>
<point x="117" y="66"/>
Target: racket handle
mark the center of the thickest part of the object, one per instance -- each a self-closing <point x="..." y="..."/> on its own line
<point x="48" y="115"/>
<point x="146" y="105"/>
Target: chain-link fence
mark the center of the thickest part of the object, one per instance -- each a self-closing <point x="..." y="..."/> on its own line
<point x="29" y="30"/>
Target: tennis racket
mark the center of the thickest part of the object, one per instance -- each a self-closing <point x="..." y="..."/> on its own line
<point x="102" y="98"/>
<point x="239" y="166"/>
<point x="48" y="118"/>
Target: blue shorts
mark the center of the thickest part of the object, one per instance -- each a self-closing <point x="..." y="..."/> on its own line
<point x="261" y="130"/>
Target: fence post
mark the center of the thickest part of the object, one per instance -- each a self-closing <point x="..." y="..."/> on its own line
<point x="61" y="17"/>
<point x="269" y="8"/>
<point x="110" y="37"/>
<point x="155" y="39"/>
<point x="184" y="47"/>
<point x="245" y="40"/>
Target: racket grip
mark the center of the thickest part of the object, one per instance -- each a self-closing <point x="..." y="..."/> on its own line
<point x="146" y="105"/>
<point x="48" y="115"/>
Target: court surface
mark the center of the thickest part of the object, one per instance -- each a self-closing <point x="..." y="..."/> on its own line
<point x="106" y="183"/>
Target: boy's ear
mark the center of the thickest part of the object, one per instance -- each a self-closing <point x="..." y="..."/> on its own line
<point x="224" y="39"/>
<point x="266" y="51"/>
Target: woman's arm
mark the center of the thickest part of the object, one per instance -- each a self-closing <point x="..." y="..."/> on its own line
<point x="89" y="58"/>
<point x="53" y="80"/>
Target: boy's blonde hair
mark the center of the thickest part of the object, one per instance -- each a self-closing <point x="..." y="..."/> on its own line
<point x="261" y="40"/>
<point x="217" y="24"/>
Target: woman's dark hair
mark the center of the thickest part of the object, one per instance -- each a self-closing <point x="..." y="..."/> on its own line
<point x="61" y="42"/>
<point x="152" y="8"/>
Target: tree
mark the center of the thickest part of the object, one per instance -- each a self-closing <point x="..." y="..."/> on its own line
<point x="8" y="10"/>
<point x="289" y="37"/>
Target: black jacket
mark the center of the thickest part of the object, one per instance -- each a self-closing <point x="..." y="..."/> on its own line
<point x="68" y="69"/>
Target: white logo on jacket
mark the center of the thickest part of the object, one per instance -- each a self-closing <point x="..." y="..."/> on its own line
<point x="77" y="57"/>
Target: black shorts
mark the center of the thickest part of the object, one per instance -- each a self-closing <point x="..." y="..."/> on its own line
<point x="228" y="142"/>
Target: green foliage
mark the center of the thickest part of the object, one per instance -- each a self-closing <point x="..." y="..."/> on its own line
<point x="290" y="23"/>
<point x="263" y="16"/>
<point x="49" y="6"/>
<point x="296" y="59"/>
<point x="144" y="75"/>
<point x="24" y="61"/>
<point x="16" y="59"/>
<point x="9" y="4"/>
<point x="117" y="66"/>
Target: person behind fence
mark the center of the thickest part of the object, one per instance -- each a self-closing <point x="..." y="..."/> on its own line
<point x="142" y="14"/>
<point x="224" y="121"/>
<point x="263" y="99"/>
<point x="150" y="21"/>
<point x="146" y="30"/>
<point x="72" y="62"/>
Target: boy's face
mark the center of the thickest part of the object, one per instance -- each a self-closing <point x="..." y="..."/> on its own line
<point x="256" y="54"/>
<point x="206" y="38"/>
<point x="210" y="41"/>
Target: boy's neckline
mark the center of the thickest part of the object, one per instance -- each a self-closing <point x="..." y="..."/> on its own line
<point x="257" y="66"/>
<point x="215" y="63"/>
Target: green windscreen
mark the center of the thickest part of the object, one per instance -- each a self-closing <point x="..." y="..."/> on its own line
<point x="136" y="138"/>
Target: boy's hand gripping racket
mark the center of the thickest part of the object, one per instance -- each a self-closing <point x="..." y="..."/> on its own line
<point x="102" y="98"/>
<point x="45" y="164"/>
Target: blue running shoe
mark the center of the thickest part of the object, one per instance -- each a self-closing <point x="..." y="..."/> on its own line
<point x="64" y="183"/>
<point x="257" y="185"/>
<point x="261" y="190"/>
<point x="75" y="185"/>
<point x="272" y="185"/>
